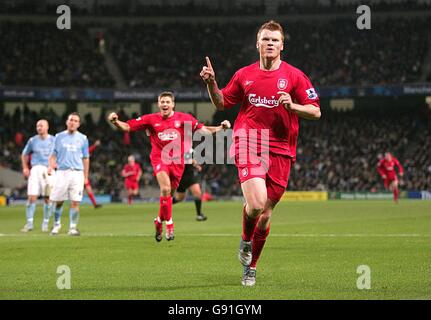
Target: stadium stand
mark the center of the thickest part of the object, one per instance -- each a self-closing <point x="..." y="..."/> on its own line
<point x="332" y="52"/>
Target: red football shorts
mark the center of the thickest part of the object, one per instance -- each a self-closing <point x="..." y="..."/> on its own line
<point x="275" y="171"/>
<point x="174" y="171"/>
<point x="387" y="182"/>
<point x="131" y="184"/>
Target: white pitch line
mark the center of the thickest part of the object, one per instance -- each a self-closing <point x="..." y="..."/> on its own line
<point x="285" y="235"/>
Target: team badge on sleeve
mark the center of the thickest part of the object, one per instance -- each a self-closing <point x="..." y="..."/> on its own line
<point x="311" y="93"/>
<point x="282" y="84"/>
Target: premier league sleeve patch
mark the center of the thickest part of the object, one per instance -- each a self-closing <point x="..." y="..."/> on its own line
<point x="311" y="93"/>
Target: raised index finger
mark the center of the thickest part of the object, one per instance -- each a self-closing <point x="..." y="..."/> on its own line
<point x="208" y="62"/>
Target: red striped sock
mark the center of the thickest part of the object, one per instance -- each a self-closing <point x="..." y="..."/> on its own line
<point x="165" y="212"/>
<point x="170" y="227"/>
<point x="396" y="192"/>
<point x="159" y="226"/>
<point x="248" y="225"/>
<point x="259" y="239"/>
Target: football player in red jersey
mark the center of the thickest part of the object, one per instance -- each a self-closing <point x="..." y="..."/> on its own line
<point x="170" y="135"/>
<point x="273" y="96"/>
<point x="131" y="173"/>
<point x="386" y="169"/>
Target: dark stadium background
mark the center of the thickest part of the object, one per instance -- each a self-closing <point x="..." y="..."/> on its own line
<point x="375" y="85"/>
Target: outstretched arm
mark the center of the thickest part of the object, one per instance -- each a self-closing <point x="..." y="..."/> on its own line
<point x="213" y="129"/>
<point x="208" y="76"/>
<point x="113" y="118"/>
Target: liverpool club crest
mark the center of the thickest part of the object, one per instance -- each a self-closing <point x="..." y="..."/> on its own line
<point x="282" y="84"/>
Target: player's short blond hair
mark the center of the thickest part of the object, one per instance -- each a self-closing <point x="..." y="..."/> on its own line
<point x="272" y="26"/>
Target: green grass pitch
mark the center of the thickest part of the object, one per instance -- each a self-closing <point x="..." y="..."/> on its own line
<point x="313" y="252"/>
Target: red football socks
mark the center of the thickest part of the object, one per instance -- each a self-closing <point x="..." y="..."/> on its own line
<point x="129" y="199"/>
<point x="165" y="212"/>
<point x="159" y="226"/>
<point x="248" y="225"/>
<point x="170" y="227"/>
<point x="259" y="239"/>
<point x="396" y="192"/>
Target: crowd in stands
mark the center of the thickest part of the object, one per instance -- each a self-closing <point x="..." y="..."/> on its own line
<point x="125" y="8"/>
<point x="338" y="153"/>
<point x="341" y="151"/>
<point x="38" y="54"/>
<point x="349" y="6"/>
<point x="217" y="8"/>
<point x="331" y="52"/>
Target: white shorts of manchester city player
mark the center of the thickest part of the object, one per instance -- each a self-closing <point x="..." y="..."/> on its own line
<point x="39" y="182"/>
<point x="69" y="185"/>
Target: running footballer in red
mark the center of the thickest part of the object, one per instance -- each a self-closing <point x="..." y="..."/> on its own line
<point x="170" y="134"/>
<point x="273" y="95"/>
<point x="386" y="169"/>
<point x="131" y="173"/>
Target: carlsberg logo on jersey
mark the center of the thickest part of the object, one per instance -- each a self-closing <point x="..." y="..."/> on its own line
<point x="167" y="136"/>
<point x="262" y="101"/>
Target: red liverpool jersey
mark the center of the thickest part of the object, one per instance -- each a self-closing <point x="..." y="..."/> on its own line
<point x="169" y="137"/>
<point x="387" y="168"/>
<point x="256" y="90"/>
<point x="131" y="172"/>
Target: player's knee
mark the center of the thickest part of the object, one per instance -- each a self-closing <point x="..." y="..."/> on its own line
<point x="264" y="219"/>
<point x="165" y="191"/>
<point x="255" y="208"/>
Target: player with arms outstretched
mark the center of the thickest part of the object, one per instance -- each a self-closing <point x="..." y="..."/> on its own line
<point x="386" y="169"/>
<point x="170" y="135"/>
<point x="273" y="96"/>
<point x="131" y="173"/>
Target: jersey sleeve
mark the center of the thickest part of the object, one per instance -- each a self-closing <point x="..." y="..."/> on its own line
<point x="400" y="167"/>
<point x="141" y="123"/>
<point x="54" y="146"/>
<point x="304" y="92"/>
<point x="196" y="125"/>
<point x="85" y="151"/>
<point x="233" y="93"/>
<point x="28" y="147"/>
